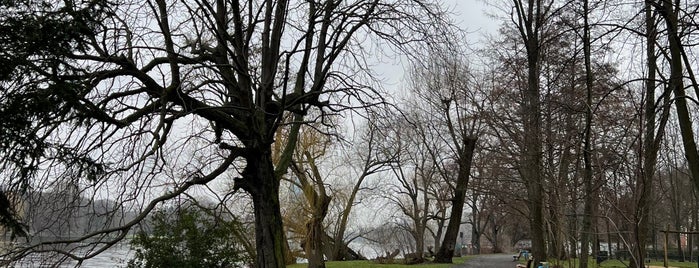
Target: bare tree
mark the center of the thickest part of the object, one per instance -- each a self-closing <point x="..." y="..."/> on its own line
<point x="530" y="17"/>
<point x="651" y="140"/>
<point x="371" y="160"/>
<point x="449" y="127"/>
<point x="589" y="191"/>
<point x="669" y="11"/>
<point x="415" y="174"/>
<point x="308" y="178"/>
<point x="129" y="86"/>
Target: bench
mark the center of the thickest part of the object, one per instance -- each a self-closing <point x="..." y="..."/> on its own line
<point x="516" y="257"/>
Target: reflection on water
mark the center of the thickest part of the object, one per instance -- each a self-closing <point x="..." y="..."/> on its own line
<point x="116" y="256"/>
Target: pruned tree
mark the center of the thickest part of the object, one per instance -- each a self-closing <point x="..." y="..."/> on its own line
<point x="121" y="90"/>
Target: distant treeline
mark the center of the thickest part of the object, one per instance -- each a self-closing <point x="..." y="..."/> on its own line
<point x="66" y="214"/>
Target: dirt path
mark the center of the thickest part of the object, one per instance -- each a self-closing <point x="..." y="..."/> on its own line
<point x="489" y="261"/>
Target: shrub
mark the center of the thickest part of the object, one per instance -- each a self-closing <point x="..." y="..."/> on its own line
<point x="187" y="238"/>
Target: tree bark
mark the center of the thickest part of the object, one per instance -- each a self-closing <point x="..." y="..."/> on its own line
<point x="439" y="221"/>
<point x="260" y="181"/>
<point x="446" y="251"/>
<point x="349" y="254"/>
<point x="676" y="208"/>
<point x="559" y="196"/>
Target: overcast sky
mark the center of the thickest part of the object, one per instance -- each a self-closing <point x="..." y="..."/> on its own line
<point x="471" y="16"/>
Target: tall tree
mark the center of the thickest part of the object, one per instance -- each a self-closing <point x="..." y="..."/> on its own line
<point x="651" y="141"/>
<point x="589" y="192"/>
<point x="415" y="173"/>
<point x="370" y="159"/>
<point x="121" y="90"/>
<point x="530" y="17"/>
<point x="307" y="176"/>
<point x="670" y="10"/>
<point x="452" y="117"/>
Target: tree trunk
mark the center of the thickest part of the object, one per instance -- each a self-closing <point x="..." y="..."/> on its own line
<point x="609" y="240"/>
<point x="532" y="153"/>
<point x="476" y="226"/>
<point x="559" y="221"/>
<point x="556" y="236"/>
<point x="419" y="237"/>
<point x="348" y="253"/>
<point x="496" y="232"/>
<point x="446" y="251"/>
<point x="531" y="15"/>
<point x="651" y="143"/>
<point x="676" y="84"/>
<point x="315" y="235"/>
<point x="339" y="248"/>
<point x="677" y="215"/>
<point x="573" y="222"/>
<point x="318" y="201"/>
<point x="268" y="230"/>
<point x="587" y="147"/>
<point x="260" y="181"/>
<point x="695" y="224"/>
<point x="420" y="230"/>
<point x="440" y="231"/>
<point x="476" y="241"/>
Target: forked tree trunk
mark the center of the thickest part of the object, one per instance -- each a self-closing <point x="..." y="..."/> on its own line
<point x="446" y="251"/>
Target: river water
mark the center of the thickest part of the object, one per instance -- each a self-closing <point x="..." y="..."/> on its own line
<point x="116" y="256"/>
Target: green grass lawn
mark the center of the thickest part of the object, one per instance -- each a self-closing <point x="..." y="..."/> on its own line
<point x="370" y="264"/>
<point x="619" y="264"/>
